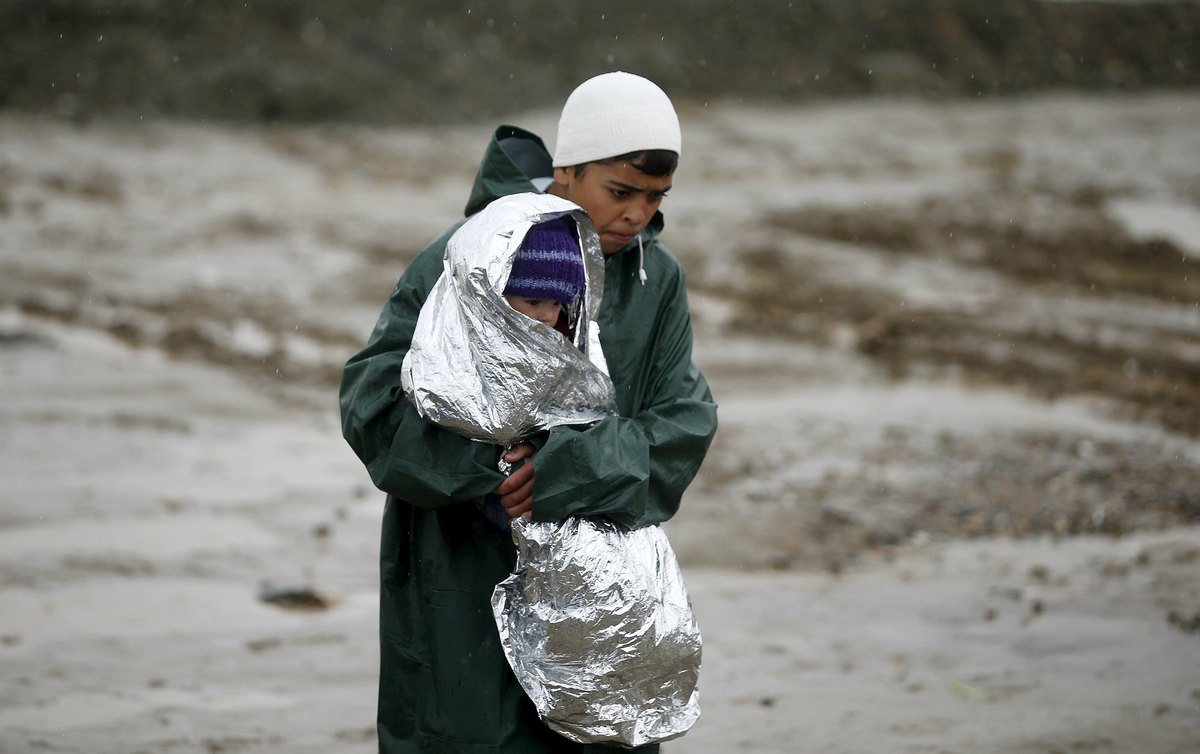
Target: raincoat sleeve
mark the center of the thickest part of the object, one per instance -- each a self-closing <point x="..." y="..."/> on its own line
<point x="635" y="469"/>
<point x="408" y="457"/>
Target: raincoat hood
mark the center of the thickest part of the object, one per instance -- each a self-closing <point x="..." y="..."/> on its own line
<point x="514" y="158"/>
<point x="481" y="368"/>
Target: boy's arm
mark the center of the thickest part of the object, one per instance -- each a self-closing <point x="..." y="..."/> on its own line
<point x="407" y="456"/>
<point x="634" y="469"/>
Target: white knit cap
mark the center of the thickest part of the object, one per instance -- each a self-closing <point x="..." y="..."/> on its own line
<point x="614" y="114"/>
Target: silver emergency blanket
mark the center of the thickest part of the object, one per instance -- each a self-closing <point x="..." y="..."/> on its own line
<point x="594" y="620"/>
<point x="597" y="625"/>
<point x="481" y="368"/>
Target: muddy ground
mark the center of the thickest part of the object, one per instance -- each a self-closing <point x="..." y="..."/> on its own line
<point x="952" y="505"/>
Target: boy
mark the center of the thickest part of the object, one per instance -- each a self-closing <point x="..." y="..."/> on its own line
<point x="444" y="683"/>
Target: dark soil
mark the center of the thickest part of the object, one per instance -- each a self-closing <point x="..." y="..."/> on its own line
<point x="1086" y="257"/>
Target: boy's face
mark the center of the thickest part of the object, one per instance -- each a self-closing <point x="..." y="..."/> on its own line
<point x="543" y="310"/>
<point x="620" y="199"/>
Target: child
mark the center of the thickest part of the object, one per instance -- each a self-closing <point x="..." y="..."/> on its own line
<point x="476" y="366"/>
<point x="544" y="284"/>
<point x="506" y="346"/>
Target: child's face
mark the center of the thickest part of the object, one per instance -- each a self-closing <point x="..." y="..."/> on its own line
<point x="543" y="310"/>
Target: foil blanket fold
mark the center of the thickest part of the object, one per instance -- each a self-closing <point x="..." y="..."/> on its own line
<point x="486" y="371"/>
<point x="597" y="625"/>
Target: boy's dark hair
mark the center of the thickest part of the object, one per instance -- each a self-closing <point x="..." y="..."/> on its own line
<point x="652" y="162"/>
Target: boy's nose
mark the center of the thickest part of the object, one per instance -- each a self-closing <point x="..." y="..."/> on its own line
<point x="635" y="214"/>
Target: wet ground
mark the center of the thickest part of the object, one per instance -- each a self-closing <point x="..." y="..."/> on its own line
<point x="951" y="506"/>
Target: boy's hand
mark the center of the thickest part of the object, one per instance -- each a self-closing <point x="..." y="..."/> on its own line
<point x="516" y="492"/>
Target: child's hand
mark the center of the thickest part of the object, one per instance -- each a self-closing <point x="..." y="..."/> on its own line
<point x="516" y="492"/>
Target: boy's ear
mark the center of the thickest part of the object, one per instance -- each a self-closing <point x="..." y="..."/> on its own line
<point x="564" y="175"/>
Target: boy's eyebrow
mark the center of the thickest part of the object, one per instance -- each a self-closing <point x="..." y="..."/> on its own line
<point x="637" y="189"/>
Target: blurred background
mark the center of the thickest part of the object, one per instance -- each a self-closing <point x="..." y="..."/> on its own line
<point x="943" y="262"/>
<point x="400" y="63"/>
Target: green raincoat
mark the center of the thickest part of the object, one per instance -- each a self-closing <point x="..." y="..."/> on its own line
<point x="444" y="683"/>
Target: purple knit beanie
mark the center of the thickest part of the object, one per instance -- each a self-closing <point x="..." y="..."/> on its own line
<point x="548" y="264"/>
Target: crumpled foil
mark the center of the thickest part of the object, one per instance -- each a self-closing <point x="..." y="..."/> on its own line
<point x="597" y="625"/>
<point x="595" y="620"/>
<point x="481" y="368"/>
